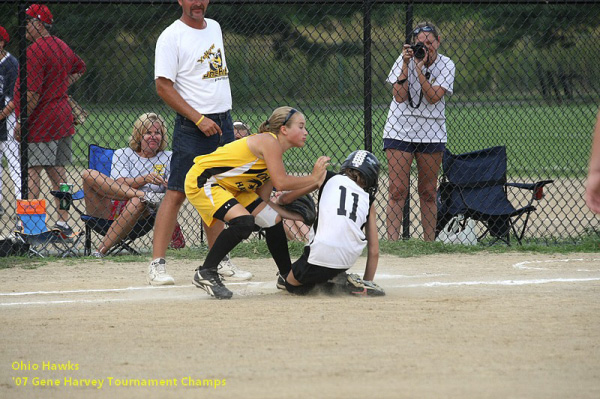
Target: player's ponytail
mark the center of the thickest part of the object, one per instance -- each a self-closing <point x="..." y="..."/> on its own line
<point x="278" y="118"/>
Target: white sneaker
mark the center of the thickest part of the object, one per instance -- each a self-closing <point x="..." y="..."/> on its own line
<point x="157" y="273"/>
<point x="229" y="271"/>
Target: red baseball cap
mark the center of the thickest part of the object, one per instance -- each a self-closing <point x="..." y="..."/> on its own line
<point x="41" y="12"/>
<point x="4" y="35"/>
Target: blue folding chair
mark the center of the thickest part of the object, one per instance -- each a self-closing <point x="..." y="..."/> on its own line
<point x="474" y="185"/>
<point x="35" y="234"/>
<point x="100" y="159"/>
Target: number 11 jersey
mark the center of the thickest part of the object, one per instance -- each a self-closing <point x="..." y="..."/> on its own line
<point x="338" y="238"/>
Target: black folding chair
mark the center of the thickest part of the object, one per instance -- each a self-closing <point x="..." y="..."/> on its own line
<point x="474" y="184"/>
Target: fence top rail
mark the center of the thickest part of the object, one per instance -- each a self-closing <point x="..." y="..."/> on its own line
<point x="238" y="2"/>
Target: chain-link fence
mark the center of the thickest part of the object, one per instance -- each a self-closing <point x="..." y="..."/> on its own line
<point x="524" y="77"/>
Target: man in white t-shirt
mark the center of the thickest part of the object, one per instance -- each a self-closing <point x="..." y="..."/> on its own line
<point x="416" y="125"/>
<point x="192" y="78"/>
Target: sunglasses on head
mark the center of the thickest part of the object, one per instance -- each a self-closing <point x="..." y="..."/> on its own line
<point x="289" y="115"/>
<point x="425" y="28"/>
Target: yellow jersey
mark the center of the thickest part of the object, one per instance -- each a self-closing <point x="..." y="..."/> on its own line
<point x="233" y="167"/>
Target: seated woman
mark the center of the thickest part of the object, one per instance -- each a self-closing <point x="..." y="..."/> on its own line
<point x="138" y="175"/>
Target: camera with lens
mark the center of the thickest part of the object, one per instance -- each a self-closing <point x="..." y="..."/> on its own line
<point x="419" y="50"/>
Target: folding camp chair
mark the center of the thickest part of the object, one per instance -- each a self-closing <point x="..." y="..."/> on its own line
<point x="100" y="159"/>
<point x="474" y="185"/>
<point x="35" y="234"/>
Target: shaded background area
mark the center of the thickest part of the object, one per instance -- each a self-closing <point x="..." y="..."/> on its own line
<point x="526" y="78"/>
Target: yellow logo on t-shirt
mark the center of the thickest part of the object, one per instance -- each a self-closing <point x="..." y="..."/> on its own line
<point x="159" y="169"/>
<point x="215" y="63"/>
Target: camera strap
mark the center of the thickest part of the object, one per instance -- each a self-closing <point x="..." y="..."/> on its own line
<point x="410" y="100"/>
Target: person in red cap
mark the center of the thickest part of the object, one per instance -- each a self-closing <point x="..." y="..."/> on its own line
<point x="9" y="147"/>
<point x="41" y="13"/>
<point x="52" y="66"/>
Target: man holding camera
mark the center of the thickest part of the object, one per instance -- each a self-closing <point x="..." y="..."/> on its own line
<point x="416" y="125"/>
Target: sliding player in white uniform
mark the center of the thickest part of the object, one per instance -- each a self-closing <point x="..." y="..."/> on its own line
<point x="337" y="239"/>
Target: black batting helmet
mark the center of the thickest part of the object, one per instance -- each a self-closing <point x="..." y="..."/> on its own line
<point x="367" y="165"/>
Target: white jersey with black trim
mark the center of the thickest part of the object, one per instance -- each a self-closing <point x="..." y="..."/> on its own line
<point x="338" y="237"/>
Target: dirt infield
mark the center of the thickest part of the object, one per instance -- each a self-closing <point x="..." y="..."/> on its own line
<point x="460" y="326"/>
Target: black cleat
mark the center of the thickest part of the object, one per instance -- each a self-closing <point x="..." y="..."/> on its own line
<point x="280" y="282"/>
<point x="210" y="281"/>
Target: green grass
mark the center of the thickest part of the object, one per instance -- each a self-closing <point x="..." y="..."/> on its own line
<point x="257" y="249"/>
<point x="542" y="141"/>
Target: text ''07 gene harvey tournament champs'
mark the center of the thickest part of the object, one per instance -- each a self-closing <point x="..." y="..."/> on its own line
<point x="31" y="374"/>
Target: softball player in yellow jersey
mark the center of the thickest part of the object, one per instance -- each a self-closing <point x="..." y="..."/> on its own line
<point x="234" y="183"/>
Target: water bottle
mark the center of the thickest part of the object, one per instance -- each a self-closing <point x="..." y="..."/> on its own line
<point x="64" y="203"/>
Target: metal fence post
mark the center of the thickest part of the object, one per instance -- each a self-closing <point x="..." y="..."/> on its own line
<point x="22" y="7"/>
<point x="406" y="209"/>
<point x="367" y="85"/>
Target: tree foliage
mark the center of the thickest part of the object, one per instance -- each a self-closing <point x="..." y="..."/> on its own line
<point x="546" y="25"/>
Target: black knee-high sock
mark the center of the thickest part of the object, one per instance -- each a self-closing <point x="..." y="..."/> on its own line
<point x="224" y="243"/>
<point x="278" y="246"/>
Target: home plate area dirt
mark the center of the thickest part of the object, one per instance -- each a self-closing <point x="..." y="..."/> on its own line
<point x="516" y="325"/>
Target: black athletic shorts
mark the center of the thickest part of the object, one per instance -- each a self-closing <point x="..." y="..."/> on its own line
<point x="309" y="274"/>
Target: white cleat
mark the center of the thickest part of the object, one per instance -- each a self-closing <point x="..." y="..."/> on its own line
<point x="228" y="271"/>
<point x="157" y="273"/>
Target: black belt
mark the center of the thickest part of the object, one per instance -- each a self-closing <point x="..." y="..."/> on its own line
<point x="186" y="121"/>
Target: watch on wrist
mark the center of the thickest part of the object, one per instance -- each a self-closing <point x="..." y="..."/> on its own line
<point x="401" y="81"/>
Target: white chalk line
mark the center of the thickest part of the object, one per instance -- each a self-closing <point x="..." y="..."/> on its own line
<point x="89" y="291"/>
<point x="246" y="292"/>
<point x="149" y="287"/>
<point x="497" y="282"/>
<point x="523" y="265"/>
<point x="265" y="284"/>
<point x="63" y="302"/>
<point x="398" y="276"/>
<point x="432" y="284"/>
